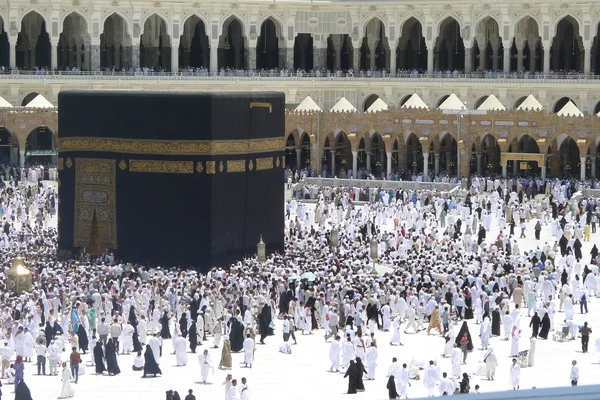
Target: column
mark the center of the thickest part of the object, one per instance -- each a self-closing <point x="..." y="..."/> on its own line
<point x="506" y="60"/>
<point x="13" y="52"/>
<point x="95" y="55"/>
<point x="436" y="160"/>
<point x="354" y="164"/>
<point x="289" y="59"/>
<point x="393" y="68"/>
<point x="430" y="50"/>
<point x="587" y="61"/>
<point x="368" y="152"/>
<point x="332" y="163"/>
<point x="448" y="154"/>
<point x="21" y="157"/>
<point x="495" y="55"/>
<point x="299" y="157"/>
<point x="468" y="66"/>
<point x="546" y="46"/>
<point x="543" y="172"/>
<point x="582" y="168"/>
<point x="135" y="53"/>
<point x="425" y="167"/>
<point x="593" y="160"/>
<point x="519" y="58"/>
<point x="175" y="56"/>
<point x="504" y="170"/>
<point x="389" y="163"/>
<point x="515" y="167"/>
<point x="356" y="56"/>
<point x="251" y="54"/>
<point x="53" y="54"/>
<point x="214" y="57"/>
<point x="482" y="66"/>
<point x="478" y="156"/>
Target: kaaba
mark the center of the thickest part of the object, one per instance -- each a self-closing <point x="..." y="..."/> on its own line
<point x="171" y="178"/>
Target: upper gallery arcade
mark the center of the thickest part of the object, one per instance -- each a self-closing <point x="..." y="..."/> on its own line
<point x="300" y="35"/>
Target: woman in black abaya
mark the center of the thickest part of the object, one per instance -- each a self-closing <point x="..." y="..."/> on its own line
<point x="150" y="365"/>
<point x="360" y="386"/>
<point x="391" y="387"/>
<point x="193" y="336"/>
<point x="352" y="375"/>
<point x="535" y="325"/>
<point x="183" y="325"/>
<point x="264" y="319"/>
<point x="165" y="333"/>
<point x="545" y="327"/>
<point x="468" y="306"/>
<point x="112" y="366"/>
<point x="464" y="329"/>
<point x="236" y="336"/>
<point x="83" y="339"/>
<point x="99" y="358"/>
<point x="496" y="322"/>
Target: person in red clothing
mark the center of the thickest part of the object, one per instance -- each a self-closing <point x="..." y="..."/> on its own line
<point x="74" y="361"/>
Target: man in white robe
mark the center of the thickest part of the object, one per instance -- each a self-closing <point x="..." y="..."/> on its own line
<point x="206" y="365"/>
<point x="180" y="345"/>
<point x="432" y="377"/>
<point x="446" y="386"/>
<point x="67" y="389"/>
<point x="491" y="362"/>
<point x="515" y="374"/>
<point x="126" y="338"/>
<point x="372" y="361"/>
<point x="348" y="352"/>
<point x="334" y="355"/>
<point x="402" y="382"/>
<point x="248" y="347"/>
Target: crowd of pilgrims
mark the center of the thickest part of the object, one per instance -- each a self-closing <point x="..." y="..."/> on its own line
<point x="441" y="267"/>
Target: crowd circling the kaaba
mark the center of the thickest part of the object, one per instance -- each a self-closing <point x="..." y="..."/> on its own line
<point x="439" y="265"/>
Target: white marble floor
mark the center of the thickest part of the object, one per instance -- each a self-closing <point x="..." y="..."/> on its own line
<point x="303" y="374"/>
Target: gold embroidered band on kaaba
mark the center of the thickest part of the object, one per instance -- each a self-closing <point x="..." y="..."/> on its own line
<point x="171" y="147"/>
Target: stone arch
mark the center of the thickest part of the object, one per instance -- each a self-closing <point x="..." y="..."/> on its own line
<point x="27" y="98"/>
<point x="596" y="108"/>
<point x="411" y="52"/>
<point x="269" y="39"/>
<point x="566" y="15"/>
<point x="414" y="153"/>
<point x="404" y="100"/>
<point x="153" y="15"/>
<point x="34" y="11"/>
<point x="526" y="49"/>
<point x="519" y="101"/>
<point x="229" y="19"/>
<point x="33" y="46"/>
<point x="441" y="100"/>
<point x="4" y="44"/>
<point x="479" y="101"/>
<point x="560" y="103"/>
<point x="369" y="21"/>
<point x="117" y="13"/>
<point x="338" y="153"/>
<point x="567" y="50"/>
<point x="295" y="136"/>
<point x="40" y="146"/>
<point x="9" y="147"/>
<point x="232" y="43"/>
<point x="449" y="45"/>
<point x="74" y="44"/>
<point x="279" y="25"/>
<point x="155" y="43"/>
<point x="70" y="13"/>
<point x="374" y="50"/>
<point x="485" y="17"/>
<point x="369" y="100"/>
<point x="115" y="42"/>
<point x="407" y="19"/>
<point x="488" y="51"/>
<point x="194" y="43"/>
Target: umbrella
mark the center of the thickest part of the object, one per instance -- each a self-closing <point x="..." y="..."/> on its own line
<point x="293" y="278"/>
<point x="309" y="275"/>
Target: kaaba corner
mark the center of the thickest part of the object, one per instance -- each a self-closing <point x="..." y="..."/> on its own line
<point x="171" y="178"/>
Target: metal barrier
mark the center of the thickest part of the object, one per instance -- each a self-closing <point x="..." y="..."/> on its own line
<point x="278" y="76"/>
<point x="388" y="185"/>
